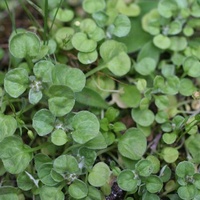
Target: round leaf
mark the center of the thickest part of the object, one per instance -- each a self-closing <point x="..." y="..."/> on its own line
<point x="120" y="64"/>
<point x="87" y="58"/>
<point x="162" y="41"/>
<point x="51" y="193"/>
<point x="187" y="87"/>
<point x="146" y="66"/>
<point x="15" y="154"/>
<point x="92" y="6"/>
<point x="43" y="122"/>
<point x="66" y="164"/>
<point x="63" y="15"/>
<point x="184" y="169"/>
<point x="78" y="189"/>
<point x="61" y="100"/>
<point x="132" y="144"/>
<point x="16" y="81"/>
<point x="8" y="126"/>
<point x="43" y="69"/>
<point x="63" y="37"/>
<point x="24" y="182"/>
<point x="59" y="137"/>
<point x="191" y="66"/>
<point x="154" y="184"/>
<point x="142" y="117"/>
<point x="34" y="96"/>
<point x="24" y="44"/>
<point x="126" y="181"/>
<point x="126" y="96"/>
<point x="167" y="8"/>
<point x="121" y="26"/>
<point x="187" y="192"/>
<point x="144" y="168"/>
<point x="86" y="127"/>
<point x="71" y="77"/>
<point x="99" y="175"/>
<point x="170" y="154"/>
<point x="82" y="43"/>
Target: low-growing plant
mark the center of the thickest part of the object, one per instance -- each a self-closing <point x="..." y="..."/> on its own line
<point x="101" y="101"/>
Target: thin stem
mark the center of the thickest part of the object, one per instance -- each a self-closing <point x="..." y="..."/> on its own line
<point x="11" y="16"/>
<point x="31" y="17"/>
<point x="46" y="13"/>
<point x="96" y="69"/>
<point x="38" y="147"/>
<point x="55" y="15"/>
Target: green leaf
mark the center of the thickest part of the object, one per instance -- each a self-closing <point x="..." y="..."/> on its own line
<point x="169" y="138"/>
<point x="144" y="168"/>
<point x="71" y="77"/>
<point x="92" y="6"/>
<point x="88" y="155"/>
<point x="78" y="189"/>
<point x="43" y="122"/>
<point x="132" y="144"/>
<point x="51" y="193"/>
<point x="130" y="10"/>
<point x="41" y="159"/>
<point x="126" y="95"/>
<point x="87" y="58"/>
<point x="187" y="87"/>
<point x="61" y="100"/>
<point x="143" y="117"/>
<point x="192" y="145"/>
<point x="43" y="70"/>
<point x="99" y="174"/>
<point x="178" y="43"/>
<point x="63" y="15"/>
<point x="16" y="82"/>
<point x="184" y="169"/>
<point x="15" y="154"/>
<point x="24" y="45"/>
<point x="187" y="192"/>
<point x="59" y="137"/>
<point x="162" y="41"/>
<point x="149" y="51"/>
<point x="170" y="154"/>
<point x="167" y="8"/>
<point x="121" y="26"/>
<point x="162" y="101"/>
<point x="111" y="48"/>
<point x="126" y="181"/>
<point x="165" y="173"/>
<point x="24" y="181"/>
<point x="155" y="162"/>
<point x="98" y="142"/>
<point x="103" y="85"/>
<point x="88" y="25"/>
<point x="116" y="63"/>
<point x="82" y="43"/>
<point x="44" y="174"/>
<point x="66" y="164"/>
<point x="90" y="97"/>
<point x="145" y="66"/>
<point x="94" y="194"/>
<point x="191" y="66"/>
<point x="86" y="127"/>
<point x="153" y="184"/>
<point x="9" y="193"/>
<point x="34" y="96"/>
<point x="8" y="126"/>
<point x="63" y="37"/>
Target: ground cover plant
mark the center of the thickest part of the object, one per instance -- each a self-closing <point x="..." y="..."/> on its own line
<point x="100" y="100"/>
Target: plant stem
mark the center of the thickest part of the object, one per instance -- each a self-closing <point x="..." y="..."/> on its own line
<point x="38" y="147"/>
<point x="100" y="67"/>
<point x="46" y="13"/>
<point x="55" y="15"/>
<point x="11" y="16"/>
